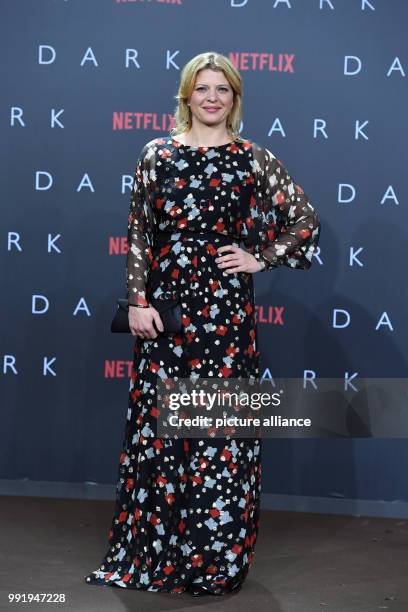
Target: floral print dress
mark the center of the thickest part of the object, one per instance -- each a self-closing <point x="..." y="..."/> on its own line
<point x="186" y="514"/>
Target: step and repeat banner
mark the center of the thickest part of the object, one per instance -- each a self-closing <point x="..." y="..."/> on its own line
<point x="84" y="85"/>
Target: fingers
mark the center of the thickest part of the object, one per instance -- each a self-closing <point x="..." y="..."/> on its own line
<point x="158" y="321"/>
<point x="228" y="247"/>
<point x="145" y="333"/>
<point x="141" y="324"/>
<point x="226" y="259"/>
<point x="149" y="332"/>
<point x="237" y="261"/>
<point x="235" y="253"/>
<point x="231" y="262"/>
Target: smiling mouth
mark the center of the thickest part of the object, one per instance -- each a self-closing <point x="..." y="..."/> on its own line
<point x="211" y="109"/>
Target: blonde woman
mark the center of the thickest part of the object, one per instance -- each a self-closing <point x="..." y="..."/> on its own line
<point x="186" y="516"/>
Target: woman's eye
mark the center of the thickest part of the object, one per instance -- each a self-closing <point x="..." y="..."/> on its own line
<point x="221" y="88"/>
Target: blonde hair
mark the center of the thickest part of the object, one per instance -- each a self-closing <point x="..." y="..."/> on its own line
<point x="214" y="61"/>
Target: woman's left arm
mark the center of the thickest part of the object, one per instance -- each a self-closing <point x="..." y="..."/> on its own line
<point x="283" y="227"/>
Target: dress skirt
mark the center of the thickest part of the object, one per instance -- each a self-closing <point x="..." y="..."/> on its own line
<point x="186" y="514"/>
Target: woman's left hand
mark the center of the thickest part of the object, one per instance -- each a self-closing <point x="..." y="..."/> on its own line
<point x="237" y="261"/>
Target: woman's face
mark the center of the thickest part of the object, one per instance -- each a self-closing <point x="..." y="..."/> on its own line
<point x="212" y="98"/>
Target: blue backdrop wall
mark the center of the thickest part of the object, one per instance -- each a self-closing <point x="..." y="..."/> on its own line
<point x="83" y="86"/>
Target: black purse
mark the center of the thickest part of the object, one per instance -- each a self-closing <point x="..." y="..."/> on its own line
<point x="168" y="309"/>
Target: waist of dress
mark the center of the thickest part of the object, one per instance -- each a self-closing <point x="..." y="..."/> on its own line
<point x="165" y="237"/>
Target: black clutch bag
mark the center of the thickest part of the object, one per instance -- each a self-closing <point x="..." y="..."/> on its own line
<point x="168" y="309"/>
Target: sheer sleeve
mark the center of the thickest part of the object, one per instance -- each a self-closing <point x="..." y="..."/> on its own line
<point x="283" y="227"/>
<point x="140" y="230"/>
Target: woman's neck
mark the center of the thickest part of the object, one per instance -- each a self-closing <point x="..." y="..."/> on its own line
<point x="195" y="138"/>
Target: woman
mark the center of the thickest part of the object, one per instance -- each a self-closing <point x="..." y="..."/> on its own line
<point x="187" y="510"/>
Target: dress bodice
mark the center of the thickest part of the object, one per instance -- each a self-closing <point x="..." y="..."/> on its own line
<point x="239" y="188"/>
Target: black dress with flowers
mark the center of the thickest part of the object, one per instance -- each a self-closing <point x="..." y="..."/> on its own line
<point x="186" y="515"/>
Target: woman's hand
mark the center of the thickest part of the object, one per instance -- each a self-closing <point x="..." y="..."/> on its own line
<point x="237" y="261"/>
<point x="141" y="322"/>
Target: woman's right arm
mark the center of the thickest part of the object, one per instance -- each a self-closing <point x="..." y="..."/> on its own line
<point x="140" y="232"/>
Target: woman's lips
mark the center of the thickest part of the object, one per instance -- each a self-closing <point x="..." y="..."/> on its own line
<point x="211" y="110"/>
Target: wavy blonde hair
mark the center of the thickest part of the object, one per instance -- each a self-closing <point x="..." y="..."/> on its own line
<point x="214" y="61"/>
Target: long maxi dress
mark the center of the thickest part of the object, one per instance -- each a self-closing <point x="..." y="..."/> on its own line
<point x="186" y="514"/>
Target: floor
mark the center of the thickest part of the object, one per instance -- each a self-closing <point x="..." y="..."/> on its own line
<point x="302" y="562"/>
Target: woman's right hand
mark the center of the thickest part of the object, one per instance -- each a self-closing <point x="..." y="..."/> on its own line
<point x="141" y="322"/>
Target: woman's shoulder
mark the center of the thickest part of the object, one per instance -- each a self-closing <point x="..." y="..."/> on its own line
<point x="262" y="157"/>
<point x="150" y="146"/>
<point x="147" y="153"/>
<point x="261" y="151"/>
<point x="158" y="142"/>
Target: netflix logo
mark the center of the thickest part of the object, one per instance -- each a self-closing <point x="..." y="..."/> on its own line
<point x="259" y="62"/>
<point x="117" y="245"/>
<point x="271" y="315"/>
<point x="117" y="369"/>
